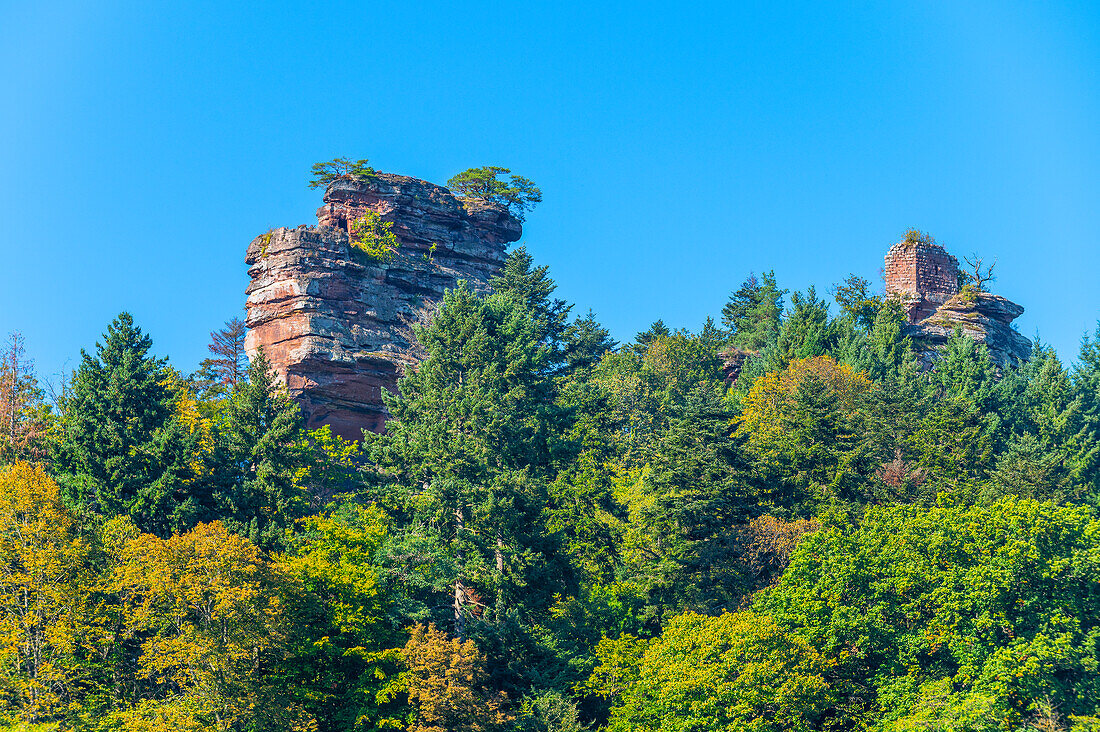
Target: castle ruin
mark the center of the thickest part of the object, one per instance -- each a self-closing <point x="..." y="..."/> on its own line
<point x="921" y="274"/>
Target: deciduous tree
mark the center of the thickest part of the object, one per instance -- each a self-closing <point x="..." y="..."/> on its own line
<point x="46" y="603"/>
<point x="445" y="683"/>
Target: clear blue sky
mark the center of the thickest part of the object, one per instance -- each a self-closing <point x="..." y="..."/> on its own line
<point x="678" y="145"/>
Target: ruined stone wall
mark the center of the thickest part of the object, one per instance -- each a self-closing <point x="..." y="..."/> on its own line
<point x="923" y="275"/>
<point x="337" y="327"/>
<point x="926" y="279"/>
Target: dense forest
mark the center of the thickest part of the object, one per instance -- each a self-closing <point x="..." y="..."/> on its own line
<point x="558" y="532"/>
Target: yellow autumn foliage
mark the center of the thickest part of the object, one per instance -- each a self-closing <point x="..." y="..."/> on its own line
<point x="207" y="609"/>
<point x="772" y="395"/>
<point x="45" y="587"/>
<point x="445" y="683"/>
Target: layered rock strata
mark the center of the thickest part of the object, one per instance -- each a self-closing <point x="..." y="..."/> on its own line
<point x="981" y="316"/>
<point x="338" y="326"/>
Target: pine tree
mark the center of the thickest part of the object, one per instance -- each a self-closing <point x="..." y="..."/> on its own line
<point x="471" y="426"/>
<point x="532" y="287"/>
<point x="256" y="493"/>
<point x="805" y="333"/>
<point x="695" y="490"/>
<point x="123" y="448"/>
<point x="586" y="341"/>
<point x="656" y="331"/>
<point x="753" y="312"/>
<point x="1039" y="399"/>
<point x="1086" y="384"/>
<point x="227" y="364"/>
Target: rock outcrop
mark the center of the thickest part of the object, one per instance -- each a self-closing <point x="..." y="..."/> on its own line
<point x="336" y="325"/>
<point x="984" y="317"/>
<point x="925" y="278"/>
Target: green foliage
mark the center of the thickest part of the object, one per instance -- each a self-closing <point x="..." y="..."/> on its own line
<point x="549" y="711"/>
<point x="530" y="287"/>
<point x="680" y="507"/>
<point x="124" y="447"/>
<point x="328" y="171"/>
<point x="753" y="312"/>
<point x="735" y="672"/>
<point x="854" y="297"/>
<point x="373" y="237"/>
<point x="255" y="490"/>
<point x="980" y="608"/>
<point x="873" y="542"/>
<point x="471" y="428"/>
<point x="344" y="661"/>
<point x="806" y="332"/>
<point x="518" y="194"/>
<point x="806" y="426"/>
<point x="916" y="236"/>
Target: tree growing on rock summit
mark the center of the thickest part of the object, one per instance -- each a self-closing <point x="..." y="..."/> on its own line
<point x="519" y="194"/>
<point x="330" y="170"/>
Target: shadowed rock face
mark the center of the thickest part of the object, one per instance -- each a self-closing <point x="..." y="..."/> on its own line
<point x="336" y="326"/>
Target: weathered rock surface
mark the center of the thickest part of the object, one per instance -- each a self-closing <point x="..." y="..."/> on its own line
<point x="733" y="361"/>
<point x="337" y="326"/>
<point x="984" y="317"/>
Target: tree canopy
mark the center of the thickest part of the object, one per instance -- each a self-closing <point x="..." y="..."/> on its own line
<point x="517" y="194"/>
<point x="788" y="519"/>
<point x="326" y="172"/>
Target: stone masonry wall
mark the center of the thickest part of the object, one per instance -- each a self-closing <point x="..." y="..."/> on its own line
<point x="924" y="275"/>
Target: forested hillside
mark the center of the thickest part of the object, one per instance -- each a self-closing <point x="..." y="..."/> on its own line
<point x="780" y="521"/>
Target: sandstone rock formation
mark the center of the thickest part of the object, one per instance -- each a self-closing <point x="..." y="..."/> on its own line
<point x="926" y="279"/>
<point x="337" y="326"/>
<point x="733" y="361"/>
<point x="984" y="317"/>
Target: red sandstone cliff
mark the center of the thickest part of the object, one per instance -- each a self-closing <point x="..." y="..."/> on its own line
<point x="338" y="328"/>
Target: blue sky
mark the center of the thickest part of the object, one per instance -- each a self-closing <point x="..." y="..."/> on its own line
<point x="679" y="146"/>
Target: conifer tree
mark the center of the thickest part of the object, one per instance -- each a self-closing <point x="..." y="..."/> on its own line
<point x="532" y="287"/>
<point x="964" y="369"/>
<point x="656" y="331"/>
<point x="806" y="332"/>
<point x="471" y="426"/>
<point x="257" y="494"/>
<point x="1086" y="384"/>
<point x="586" y="341"/>
<point x="695" y="489"/>
<point x="227" y="363"/>
<point x="123" y="448"/>
<point x="753" y="312"/>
